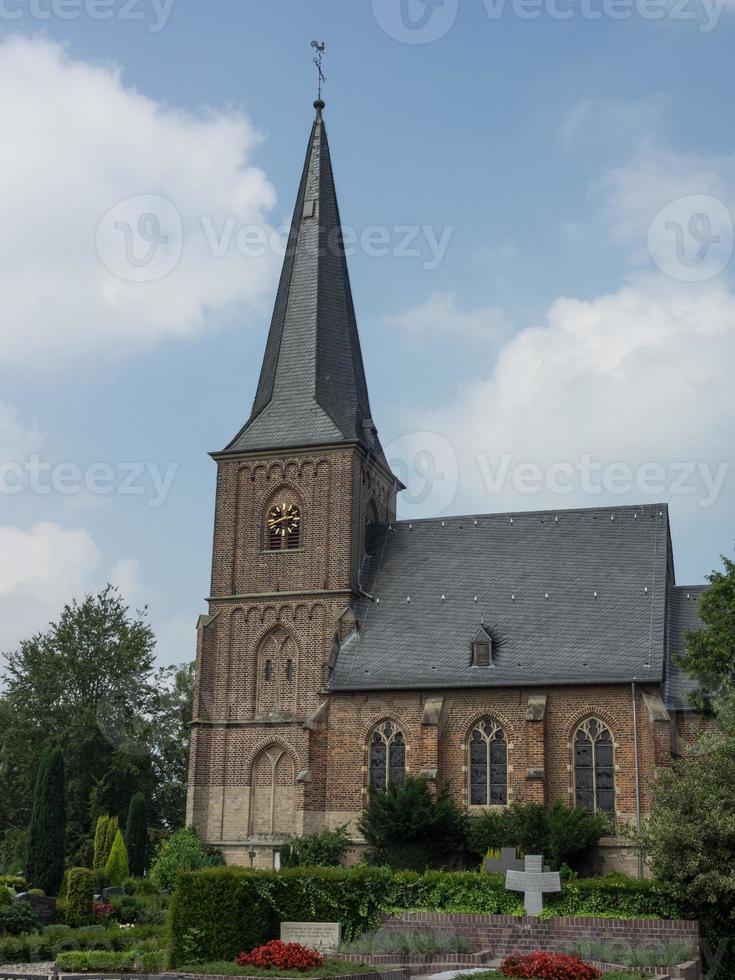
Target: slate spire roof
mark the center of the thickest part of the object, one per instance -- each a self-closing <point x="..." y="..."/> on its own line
<point x="312" y="387"/>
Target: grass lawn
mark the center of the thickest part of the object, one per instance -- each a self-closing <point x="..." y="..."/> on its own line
<point x="331" y="968"/>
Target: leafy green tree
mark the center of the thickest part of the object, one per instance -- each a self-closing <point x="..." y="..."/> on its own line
<point x="182" y="851"/>
<point x="710" y="654"/>
<point x="117" y="868"/>
<point x="136" y="835"/>
<point x="89" y="685"/>
<point x="324" y="849"/>
<point x="45" y="855"/>
<point x="689" y="837"/>
<point x="407" y="828"/>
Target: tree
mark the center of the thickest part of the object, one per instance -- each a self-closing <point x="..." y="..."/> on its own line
<point x="45" y="855"/>
<point x="689" y="837"/>
<point x="182" y="851"/>
<point x="104" y="838"/>
<point x="136" y="835"/>
<point x="117" y="868"/>
<point x="407" y="828"/>
<point x="710" y="654"/>
<point x="324" y="849"/>
<point x="89" y="684"/>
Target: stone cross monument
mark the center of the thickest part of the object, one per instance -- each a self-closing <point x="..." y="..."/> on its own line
<point x="534" y="882"/>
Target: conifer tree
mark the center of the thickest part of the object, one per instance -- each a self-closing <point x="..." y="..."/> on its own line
<point x="136" y="835"/>
<point x="104" y="837"/>
<point x="46" y="832"/>
<point x="116" y="869"/>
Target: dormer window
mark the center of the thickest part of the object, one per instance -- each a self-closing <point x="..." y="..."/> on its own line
<point x="482" y="649"/>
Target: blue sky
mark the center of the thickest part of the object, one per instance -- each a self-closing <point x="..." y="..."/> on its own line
<point x="560" y="324"/>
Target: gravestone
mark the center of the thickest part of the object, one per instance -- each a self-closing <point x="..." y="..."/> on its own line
<point x="107" y="893"/>
<point x="44" y="906"/>
<point x="508" y="861"/>
<point x="534" y="882"/>
<point x="324" y="937"/>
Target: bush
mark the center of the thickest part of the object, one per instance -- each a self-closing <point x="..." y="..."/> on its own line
<point x="45" y="848"/>
<point x="407" y="828"/>
<point x="563" y="834"/>
<point x="282" y="956"/>
<point x="183" y="851"/>
<point x="104" y="837"/>
<point x="18" y="918"/>
<point x="548" y="966"/>
<point x="14" y="882"/>
<point x="136" y="834"/>
<point x="324" y="849"/>
<point x="6" y="896"/>
<point x="96" y="961"/>
<point x="79" y="896"/>
<point x="116" y="868"/>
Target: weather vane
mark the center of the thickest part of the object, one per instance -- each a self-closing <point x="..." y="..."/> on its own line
<point x="320" y="49"/>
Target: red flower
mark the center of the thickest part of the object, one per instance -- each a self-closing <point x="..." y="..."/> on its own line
<point x="103" y="910"/>
<point x="282" y="956"/>
<point x="548" y="966"/>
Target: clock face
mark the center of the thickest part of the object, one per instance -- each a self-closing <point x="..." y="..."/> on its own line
<point x="283" y="519"/>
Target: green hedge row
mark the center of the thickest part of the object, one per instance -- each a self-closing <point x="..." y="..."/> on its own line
<point x="217" y="913"/>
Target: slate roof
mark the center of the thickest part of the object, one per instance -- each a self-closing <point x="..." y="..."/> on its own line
<point x="312" y="387"/>
<point x="683" y="618"/>
<point x="572" y="596"/>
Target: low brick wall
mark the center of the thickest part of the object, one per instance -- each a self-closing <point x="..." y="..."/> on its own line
<point x="684" y="971"/>
<point x="505" y="934"/>
<point x="399" y="974"/>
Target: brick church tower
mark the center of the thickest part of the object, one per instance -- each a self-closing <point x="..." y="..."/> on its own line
<point x="297" y="490"/>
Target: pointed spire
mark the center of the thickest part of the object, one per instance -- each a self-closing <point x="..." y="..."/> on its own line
<point x="312" y="387"/>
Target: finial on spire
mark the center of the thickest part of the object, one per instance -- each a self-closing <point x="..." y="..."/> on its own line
<point x="320" y="48"/>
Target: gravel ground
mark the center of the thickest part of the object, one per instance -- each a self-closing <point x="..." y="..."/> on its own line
<point x="42" y="969"/>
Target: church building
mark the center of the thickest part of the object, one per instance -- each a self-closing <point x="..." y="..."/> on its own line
<point x="514" y="656"/>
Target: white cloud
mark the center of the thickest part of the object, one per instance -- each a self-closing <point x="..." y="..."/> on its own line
<point x="125" y="576"/>
<point x="439" y="317"/>
<point x="612" y="119"/>
<point x="17" y="440"/>
<point x="77" y="142"/>
<point x="41" y="569"/>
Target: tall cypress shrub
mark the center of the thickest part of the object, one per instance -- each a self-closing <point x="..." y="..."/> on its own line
<point x="116" y="869"/>
<point x="46" y="832"/>
<point x="104" y="836"/>
<point x="136" y="835"/>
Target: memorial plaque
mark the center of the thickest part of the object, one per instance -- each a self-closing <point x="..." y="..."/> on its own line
<point x="507" y="861"/>
<point x="324" y="937"/>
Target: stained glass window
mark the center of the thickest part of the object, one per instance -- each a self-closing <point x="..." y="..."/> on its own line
<point x="488" y="765"/>
<point x="387" y="756"/>
<point x="594" y="767"/>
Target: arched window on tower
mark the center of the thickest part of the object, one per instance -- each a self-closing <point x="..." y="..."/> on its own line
<point x="387" y="756"/>
<point x="594" y="767"/>
<point x="488" y="765"/>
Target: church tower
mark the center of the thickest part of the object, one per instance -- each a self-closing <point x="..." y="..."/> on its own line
<point x="297" y="489"/>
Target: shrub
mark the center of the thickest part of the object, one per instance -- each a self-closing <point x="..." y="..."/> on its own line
<point x="116" y="869"/>
<point x="324" y="849"/>
<point x="104" y="837"/>
<point x="282" y="956"/>
<point x="6" y="896"/>
<point x="183" y="851"/>
<point x="80" y="893"/>
<point x="563" y="834"/>
<point x="96" y="961"/>
<point x="136" y="834"/>
<point x="407" y="828"/>
<point x="45" y="850"/>
<point x="548" y="966"/>
<point x="14" y="882"/>
<point x="102" y="911"/>
<point x="127" y="907"/>
<point x="18" y="918"/>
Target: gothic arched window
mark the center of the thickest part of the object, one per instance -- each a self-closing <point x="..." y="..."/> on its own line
<point x="387" y="756"/>
<point x="594" y="767"/>
<point x="488" y="750"/>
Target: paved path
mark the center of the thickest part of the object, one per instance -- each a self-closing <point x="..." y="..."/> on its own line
<point x="42" y="969"/>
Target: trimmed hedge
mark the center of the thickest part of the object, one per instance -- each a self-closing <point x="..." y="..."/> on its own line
<point x="225" y="911"/>
<point x="79" y="896"/>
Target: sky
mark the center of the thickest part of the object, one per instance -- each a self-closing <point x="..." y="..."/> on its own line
<point x="538" y="200"/>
